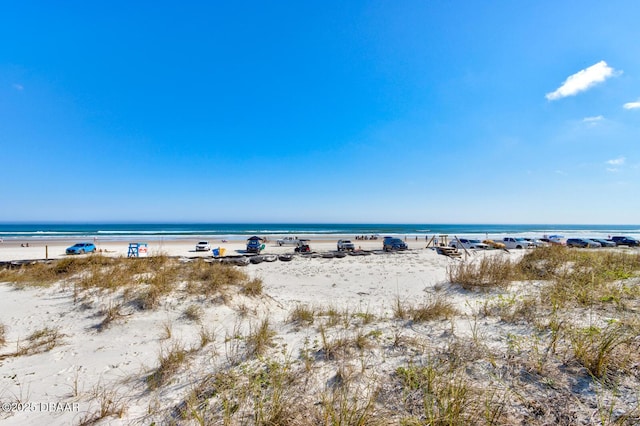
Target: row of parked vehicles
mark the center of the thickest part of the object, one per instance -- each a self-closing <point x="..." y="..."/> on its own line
<point x="524" y="243"/>
<point x="600" y="242"/>
<point x="255" y="244"/>
<point x="394" y="244"/>
<point x="302" y="245"/>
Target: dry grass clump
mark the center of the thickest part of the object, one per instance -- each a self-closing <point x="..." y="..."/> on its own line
<point x="37" y="274"/>
<point x="206" y="336"/>
<point x="158" y="274"/>
<point x="342" y="345"/>
<point x="110" y="403"/>
<point x="347" y="402"/>
<point x="252" y="287"/>
<point x="111" y="314"/>
<point x="193" y="313"/>
<point x="434" y="393"/>
<point x="144" y="281"/>
<point x="147" y="298"/>
<point x="278" y="393"/>
<point x="334" y="316"/>
<point x="364" y="317"/>
<point x="584" y="278"/>
<point x="513" y="309"/>
<point x="171" y="360"/>
<point x="3" y="334"/>
<point x="302" y="315"/>
<point x="157" y="279"/>
<point x="259" y="339"/>
<point x="212" y="278"/>
<point x="267" y="393"/>
<point x="559" y="261"/>
<point x="605" y="350"/>
<point x="436" y="308"/>
<point x="572" y="278"/>
<point x="545" y="262"/>
<point x="42" y="340"/>
<point x="488" y="273"/>
<point x="46" y="273"/>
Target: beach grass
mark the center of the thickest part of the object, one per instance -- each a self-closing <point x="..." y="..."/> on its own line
<point x="171" y="360"/>
<point x="491" y="272"/>
<point x="435" y="308"/>
<point x="193" y="313"/>
<point x="302" y="315"/>
<point x="144" y="282"/>
<point x="110" y="403"/>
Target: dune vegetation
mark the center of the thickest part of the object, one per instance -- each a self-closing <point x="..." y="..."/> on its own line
<point x="550" y="337"/>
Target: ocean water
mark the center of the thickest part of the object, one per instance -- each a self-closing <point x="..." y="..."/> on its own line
<point x="237" y="231"/>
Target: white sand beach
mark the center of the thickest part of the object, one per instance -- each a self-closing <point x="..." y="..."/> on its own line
<point x="98" y="371"/>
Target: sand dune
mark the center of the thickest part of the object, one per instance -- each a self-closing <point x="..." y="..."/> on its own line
<point x="333" y="327"/>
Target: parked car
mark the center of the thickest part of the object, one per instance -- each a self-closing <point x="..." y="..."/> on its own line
<point x="536" y="242"/>
<point x="625" y="241"/>
<point x="468" y="244"/>
<point x="390" y="244"/>
<point x="81" y="248"/>
<point x="303" y="247"/>
<point x="582" y="243"/>
<point x="346" y="245"/>
<point x="516" y="243"/>
<point x="551" y="242"/>
<point x="203" y="246"/>
<point x="603" y="242"/>
<point x="287" y="241"/>
<point x="254" y="245"/>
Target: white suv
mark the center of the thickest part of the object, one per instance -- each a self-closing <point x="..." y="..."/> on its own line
<point x="346" y="245"/>
<point x="203" y="246"/>
<point x="468" y="244"/>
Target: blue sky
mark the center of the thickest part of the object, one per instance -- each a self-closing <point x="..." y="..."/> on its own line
<point x="332" y="111"/>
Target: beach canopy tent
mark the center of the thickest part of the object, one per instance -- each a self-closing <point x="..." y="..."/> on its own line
<point x="254" y="238"/>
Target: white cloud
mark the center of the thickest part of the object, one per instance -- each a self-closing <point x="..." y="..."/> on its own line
<point x="583" y="80"/>
<point x="631" y="105"/>
<point x="18" y="86"/>
<point x="593" y="120"/>
<point x="612" y="169"/>
<point x="617" y="161"/>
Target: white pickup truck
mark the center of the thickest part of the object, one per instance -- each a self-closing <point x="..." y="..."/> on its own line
<point x="516" y="243"/>
<point x="288" y="241"/>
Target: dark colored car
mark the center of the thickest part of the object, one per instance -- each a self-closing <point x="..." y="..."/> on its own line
<point x="603" y="242"/>
<point x="81" y="248"/>
<point x="581" y="242"/>
<point x="254" y="245"/>
<point x="625" y="241"/>
<point x="393" y="244"/>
